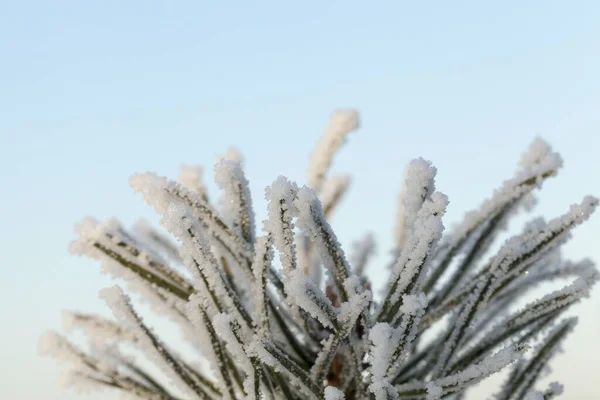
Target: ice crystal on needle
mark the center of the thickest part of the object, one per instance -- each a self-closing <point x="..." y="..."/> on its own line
<point x="254" y="304"/>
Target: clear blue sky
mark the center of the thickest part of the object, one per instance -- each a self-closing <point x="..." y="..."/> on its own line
<point x="91" y="92"/>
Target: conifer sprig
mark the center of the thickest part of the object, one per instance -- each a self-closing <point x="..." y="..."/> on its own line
<point x="285" y="314"/>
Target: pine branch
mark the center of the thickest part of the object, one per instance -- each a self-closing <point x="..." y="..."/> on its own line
<point x="285" y="314"/>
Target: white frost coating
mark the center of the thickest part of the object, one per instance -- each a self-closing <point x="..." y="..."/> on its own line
<point x="534" y="395"/>
<point x="82" y="364"/>
<point x="312" y="339"/>
<point x="256" y="348"/>
<point x="55" y="345"/>
<point x="159" y="192"/>
<point x="146" y="232"/>
<point x="419" y="184"/>
<point x="382" y="339"/>
<point x="349" y="312"/>
<point x="155" y="190"/>
<point x="536" y="153"/>
<point x="333" y="393"/>
<point x="488" y="366"/>
<point x="535" y="168"/>
<point x="279" y="224"/>
<point x="263" y="257"/>
<point x="97" y="328"/>
<point x="567" y="295"/>
<point x="307" y="259"/>
<point x="413" y="304"/>
<point x="222" y="323"/>
<point x="120" y="305"/>
<point x="341" y="123"/>
<point x="95" y="236"/>
<point x="383" y="390"/>
<point x="558" y="229"/>
<point x="88" y="228"/>
<point x="525" y="248"/>
<point x="196" y="311"/>
<point x="476" y="372"/>
<point x="196" y="248"/>
<point x="113" y="238"/>
<point x="237" y="199"/>
<point x="163" y="304"/>
<point x="556" y="388"/>
<point x="313" y="222"/>
<point x="521" y="251"/>
<point x="302" y="292"/>
<point x="232" y="154"/>
<point x="434" y="392"/>
<point x="358" y="300"/>
<point x="425" y="234"/>
<point x="97" y="239"/>
<point x="80" y="383"/>
<point x="543" y="352"/>
<point x="190" y="176"/>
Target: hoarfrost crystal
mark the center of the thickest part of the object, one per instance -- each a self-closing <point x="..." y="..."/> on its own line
<point x="256" y="310"/>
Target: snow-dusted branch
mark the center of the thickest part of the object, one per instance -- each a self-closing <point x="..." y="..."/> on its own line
<point x="284" y="314"/>
<point x="341" y="123"/>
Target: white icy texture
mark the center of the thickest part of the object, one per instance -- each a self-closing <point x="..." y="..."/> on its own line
<point x="97" y="328"/>
<point x="263" y="257"/>
<point x="160" y="193"/>
<point x="222" y="323"/>
<point x="197" y="254"/>
<point x="473" y="373"/>
<point x="536" y="153"/>
<point x="381" y="336"/>
<point x="434" y="392"/>
<point x="313" y="222"/>
<point x="551" y="344"/>
<point x="232" y="154"/>
<point x="60" y="349"/>
<point x="413" y="304"/>
<point x="190" y="176"/>
<point x="419" y="184"/>
<point x="256" y="348"/>
<point x="358" y="301"/>
<point x="332" y="393"/>
<point x="383" y="390"/>
<point x="279" y="224"/>
<point x="341" y="123"/>
<point x="302" y="292"/>
<point x="113" y="238"/>
<point x="241" y="319"/>
<point x="425" y="234"/>
<point x="120" y="305"/>
<point x="198" y="315"/>
<point x="567" y="295"/>
<point x="534" y="395"/>
<point x="559" y="228"/>
<point x="230" y="177"/>
<point x="537" y="162"/>
<point x="156" y="239"/>
<point x="556" y="388"/>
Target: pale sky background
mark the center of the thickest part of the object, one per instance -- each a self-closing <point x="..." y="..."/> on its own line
<point x="91" y="92"/>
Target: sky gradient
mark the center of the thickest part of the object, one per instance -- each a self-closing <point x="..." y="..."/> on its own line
<point x="91" y="92"/>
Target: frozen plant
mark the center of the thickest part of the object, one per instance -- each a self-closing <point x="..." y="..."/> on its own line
<point x="278" y="311"/>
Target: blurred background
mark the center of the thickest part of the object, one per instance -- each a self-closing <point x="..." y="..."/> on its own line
<point x="91" y="92"/>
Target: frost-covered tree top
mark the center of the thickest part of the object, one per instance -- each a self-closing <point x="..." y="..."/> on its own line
<point x="278" y="310"/>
